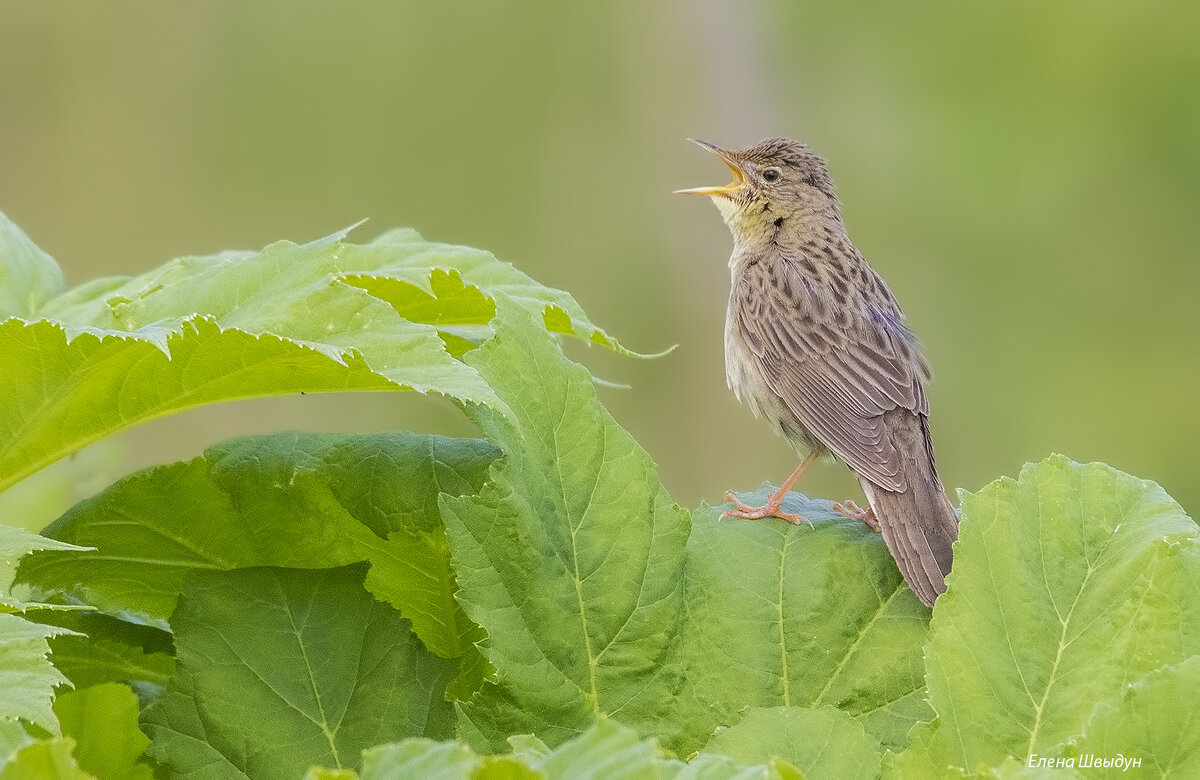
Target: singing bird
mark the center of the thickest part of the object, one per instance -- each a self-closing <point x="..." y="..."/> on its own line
<point x="816" y="344"/>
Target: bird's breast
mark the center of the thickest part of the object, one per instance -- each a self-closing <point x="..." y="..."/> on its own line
<point x="756" y="378"/>
<point x="746" y="375"/>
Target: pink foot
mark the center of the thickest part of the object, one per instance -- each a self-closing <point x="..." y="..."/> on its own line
<point x="855" y="512"/>
<point x="771" y="509"/>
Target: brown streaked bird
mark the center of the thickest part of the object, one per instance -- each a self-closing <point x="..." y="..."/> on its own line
<point x="815" y="343"/>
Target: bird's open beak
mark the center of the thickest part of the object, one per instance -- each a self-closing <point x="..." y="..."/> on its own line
<point x="739" y="177"/>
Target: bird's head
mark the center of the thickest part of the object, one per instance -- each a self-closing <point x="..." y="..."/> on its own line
<point x="773" y="181"/>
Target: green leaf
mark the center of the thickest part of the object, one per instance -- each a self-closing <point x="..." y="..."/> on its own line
<point x="45" y="759"/>
<point x="296" y="500"/>
<point x="391" y="484"/>
<point x="786" y="615"/>
<point x="88" y="661"/>
<point x="823" y="742"/>
<point x="27" y="678"/>
<point x="13" y="737"/>
<point x="321" y="773"/>
<point x="571" y="558"/>
<point x="423" y="758"/>
<point x="528" y="746"/>
<point x="1155" y="720"/>
<point x="127" y="379"/>
<point x="291" y="318"/>
<point x="283" y="669"/>
<point x="28" y="276"/>
<point x="103" y="721"/>
<point x="610" y="750"/>
<point x="102" y="649"/>
<point x="1068" y="584"/>
<point x="15" y="544"/>
<point x="605" y="750"/>
<point x="172" y="520"/>
<point x="709" y="766"/>
<point x="100" y="658"/>
<point x="124" y="378"/>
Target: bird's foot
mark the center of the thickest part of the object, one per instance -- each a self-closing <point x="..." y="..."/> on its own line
<point x="855" y="512"/>
<point x="772" y="508"/>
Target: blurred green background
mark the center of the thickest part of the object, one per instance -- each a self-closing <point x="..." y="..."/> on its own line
<point x="1026" y="175"/>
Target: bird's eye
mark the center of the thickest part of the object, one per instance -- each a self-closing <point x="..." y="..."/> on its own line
<point x="770" y="174"/>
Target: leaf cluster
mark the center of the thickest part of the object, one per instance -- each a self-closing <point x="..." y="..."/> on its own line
<point x="529" y="603"/>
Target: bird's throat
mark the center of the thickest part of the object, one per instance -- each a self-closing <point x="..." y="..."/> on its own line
<point x="729" y="211"/>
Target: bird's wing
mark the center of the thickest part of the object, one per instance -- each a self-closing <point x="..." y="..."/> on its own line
<point x="838" y="369"/>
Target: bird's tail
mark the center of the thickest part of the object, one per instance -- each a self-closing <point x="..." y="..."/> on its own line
<point x="918" y="524"/>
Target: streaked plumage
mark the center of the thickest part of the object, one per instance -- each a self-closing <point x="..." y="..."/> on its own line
<point x="815" y="343"/>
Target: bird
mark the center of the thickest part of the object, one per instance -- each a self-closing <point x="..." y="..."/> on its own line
<point x="817" y="346"/>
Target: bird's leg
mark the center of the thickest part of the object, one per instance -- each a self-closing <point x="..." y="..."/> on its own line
<point x="773" y="506"/>
<point x="855" y="512"/>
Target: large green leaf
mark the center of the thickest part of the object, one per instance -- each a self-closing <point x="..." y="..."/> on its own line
<point x="787" y="615"/>
<point x="103" y="721"/>
<point x="282" y="669"/>
<point x="199" y="330"/>
<point x="821" y="743"/>
<point x="79" y="387"/>
<point x="296" y="500"/>
<point x="571" y="557"/>
<point x="1069" y="583"/>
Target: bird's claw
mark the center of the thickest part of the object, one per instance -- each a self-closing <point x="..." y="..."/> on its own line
<point x="855" y="512"/>
<point x="731" y="498"/>
<point x="771" y="509"/>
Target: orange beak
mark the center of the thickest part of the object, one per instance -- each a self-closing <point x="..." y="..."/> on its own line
<point x="739" y="177"/>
